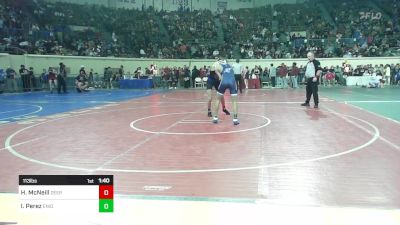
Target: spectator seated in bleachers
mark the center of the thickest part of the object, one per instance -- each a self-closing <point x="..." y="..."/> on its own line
<point x="397" y="78"/>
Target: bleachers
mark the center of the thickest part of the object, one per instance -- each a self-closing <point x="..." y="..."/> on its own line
<point x="40" y="27"/>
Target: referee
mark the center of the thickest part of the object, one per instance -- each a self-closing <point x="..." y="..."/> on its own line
<point x="237" y="70"/>
<point x="313" y="72"/>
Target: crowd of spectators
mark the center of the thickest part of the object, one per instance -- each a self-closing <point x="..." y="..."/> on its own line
<point x="172" y="77"/>
<point x="279" y="31"/>
<point x="371" y="33"/>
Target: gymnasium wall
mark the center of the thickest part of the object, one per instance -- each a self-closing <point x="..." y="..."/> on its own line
<point x="39" y="62"/>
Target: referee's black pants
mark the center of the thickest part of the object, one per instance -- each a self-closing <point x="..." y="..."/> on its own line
<point x="312" y="89"/>
<point x="273" y="81"/>
<point x="61" y="83"/>
<point x="239" y="82"/>
<point x="26" y="83"/>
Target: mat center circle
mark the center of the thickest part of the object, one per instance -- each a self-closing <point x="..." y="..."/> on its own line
<point x="195" y="123"/>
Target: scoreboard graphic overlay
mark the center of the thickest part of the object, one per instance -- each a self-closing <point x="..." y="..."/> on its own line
<point x="58" y="193"/>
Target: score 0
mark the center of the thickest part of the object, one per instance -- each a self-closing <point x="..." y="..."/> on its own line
<point x="106" y="198"/>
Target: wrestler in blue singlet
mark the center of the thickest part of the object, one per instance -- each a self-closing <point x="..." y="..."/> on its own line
<point x="228" y="80"/>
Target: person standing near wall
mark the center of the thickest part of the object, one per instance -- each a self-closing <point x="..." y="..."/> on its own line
<point x="195" y="73"/>
<point x="91" y="78"/>
<point x="387" y="74"/>
<point x="121" y="73"/>
<point x="294" y="73"/>
<point x="11" y="81"/>
<point x="186" y="76"/>
<point x="2" y="80"/>
<point x="52" y="79"/>
<point x="31" y="79"/>
<point x="44" y="77"/>
<point x="26" y="84"/>
<point x="272" y="75"/>
<point x="62" y="79"/>
<point x="301" y="75"/>
<point x="283" y="72"/>
<point x="246" y="75"/>
<point x="107" y="77"/>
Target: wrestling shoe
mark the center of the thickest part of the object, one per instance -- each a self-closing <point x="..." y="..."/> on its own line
<point x="215" y="120"/>
<point x="226" y="112"/>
